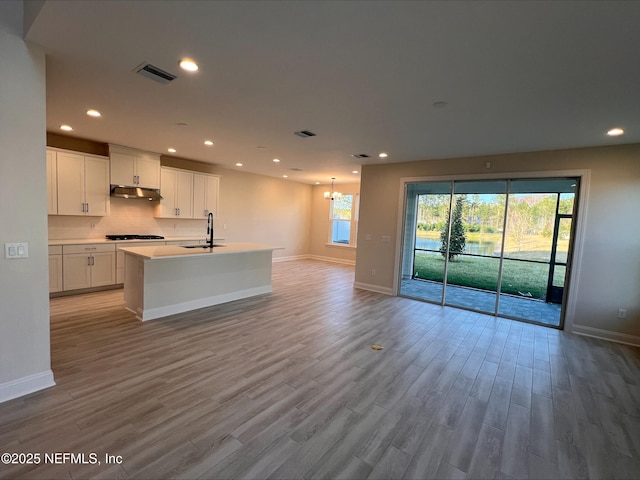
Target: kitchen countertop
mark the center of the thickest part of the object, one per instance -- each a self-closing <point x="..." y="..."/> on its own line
<point x="175" y="251"/>
<point x="79" y="241"/>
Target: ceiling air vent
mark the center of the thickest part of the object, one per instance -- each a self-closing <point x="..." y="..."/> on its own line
<point x="360" y="155"/>
<point x="304" y="134"/>
<point x="154" y="73"/>
<point x="296" y="169"/>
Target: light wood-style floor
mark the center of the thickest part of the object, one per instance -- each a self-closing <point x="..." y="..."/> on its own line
<point x="286" y="386"/>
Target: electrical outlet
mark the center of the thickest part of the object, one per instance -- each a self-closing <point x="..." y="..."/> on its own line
<point x="373" y="272"/>
<point x="622" y="313"/>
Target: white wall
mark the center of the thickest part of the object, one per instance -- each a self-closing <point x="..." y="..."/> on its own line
<point x="257" y="208"/>
<point x="320" y="227"/>
<point x="609" y="269"/>
<point x="24" y="299"/>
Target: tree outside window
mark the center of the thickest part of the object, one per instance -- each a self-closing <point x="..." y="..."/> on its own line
<point x="343" y="219"/>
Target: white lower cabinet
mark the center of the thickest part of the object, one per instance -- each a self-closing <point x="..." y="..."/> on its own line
<point x="86" y="266"/>
<point x="55" y="268"/>
<point x="120" y="256"/>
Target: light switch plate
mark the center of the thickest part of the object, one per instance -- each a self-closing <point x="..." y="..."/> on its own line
<point x="16" y="250"/>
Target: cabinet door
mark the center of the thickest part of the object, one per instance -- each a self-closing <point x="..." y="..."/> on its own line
<point x="184" y="194"/>
<point x="148" y="171"/>
<point x="199" y="196"/>
<point x="55" y="273"/>
<point x="52" y="184"/>
<point x="70" y="173"/>
<point x="212" y="193"/>
<point x="122" y="168"/>
<point x="97" y="186"/>
<point x="205" y="195"/>
<point x="103" y="269"/>
<point x="76" y="271"/>
<point x="168" y="186"/>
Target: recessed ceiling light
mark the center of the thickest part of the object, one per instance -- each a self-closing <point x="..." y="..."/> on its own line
<point x="383" y="155"/>
<point x="66" y="128"/>
<point x="354" y="171"/>
<point x="285" y="176"/>
<point x="238" y="164"/>
<point x="317" y="183"/>
<point x="188" y="65"/>
<point x="276" y="160"/>
<point x="615" y="132"/>
<point x="208" y="143"/>
<point x="94" y="113"/>
<point x="171" y="150"/>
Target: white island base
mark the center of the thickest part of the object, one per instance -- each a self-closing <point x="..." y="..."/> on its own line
<point x="166" y="280"/>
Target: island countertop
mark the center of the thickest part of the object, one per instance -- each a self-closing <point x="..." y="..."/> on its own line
<point x="161" y="252"/>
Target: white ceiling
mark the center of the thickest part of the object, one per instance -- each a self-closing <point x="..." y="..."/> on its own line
<point x="363" y="75"/>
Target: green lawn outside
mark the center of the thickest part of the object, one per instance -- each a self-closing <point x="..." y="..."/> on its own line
<point x="477" y="272"/>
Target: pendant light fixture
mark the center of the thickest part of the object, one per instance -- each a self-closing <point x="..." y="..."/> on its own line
<point x="332" y="195"/>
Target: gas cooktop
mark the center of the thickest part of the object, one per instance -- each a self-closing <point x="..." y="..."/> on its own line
<point x="134" y="237"/>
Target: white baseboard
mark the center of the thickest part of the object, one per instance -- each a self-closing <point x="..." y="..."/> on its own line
<point x="315" y="257"/>
<point x="288" y="259"/>
<point x="26" y="385"/>
<point x="158" y="312"/>
<point x="373" y="288"/>
<point x="606" y="335"/>
<point x="332" y="260"/>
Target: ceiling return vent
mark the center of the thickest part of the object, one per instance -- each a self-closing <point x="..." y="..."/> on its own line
<point x="360" y="155"/>
<point x="304" y="134"/>
<point x="154" y="73"/>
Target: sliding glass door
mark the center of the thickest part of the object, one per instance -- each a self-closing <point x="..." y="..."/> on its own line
<point x="500" y="247"/>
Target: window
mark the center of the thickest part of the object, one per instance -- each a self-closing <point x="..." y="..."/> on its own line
<point x="343" y="219"/>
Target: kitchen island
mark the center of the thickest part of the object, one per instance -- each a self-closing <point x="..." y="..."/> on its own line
<point x="168" y="279"/>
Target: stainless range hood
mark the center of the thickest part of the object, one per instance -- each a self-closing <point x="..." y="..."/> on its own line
<point x="135" y="192"/>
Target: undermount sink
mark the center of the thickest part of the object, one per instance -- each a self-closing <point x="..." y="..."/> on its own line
<point x="202" y="246"/>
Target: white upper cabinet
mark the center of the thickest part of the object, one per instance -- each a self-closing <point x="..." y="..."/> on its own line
<point x="176" y="187"/>
<point x="134" y="168"/>
<point x="205" y="195"/>
<point x="187" y="194"/>
<point x="82" y="184"/>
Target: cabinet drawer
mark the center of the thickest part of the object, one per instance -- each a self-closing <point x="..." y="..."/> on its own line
<point x="89" y="248"/>
<point x="55" y="249"/>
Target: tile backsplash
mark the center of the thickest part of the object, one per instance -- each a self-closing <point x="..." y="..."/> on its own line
<point x="127" y="217"/>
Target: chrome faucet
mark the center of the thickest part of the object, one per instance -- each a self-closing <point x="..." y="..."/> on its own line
<point x="210" y="230"/>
